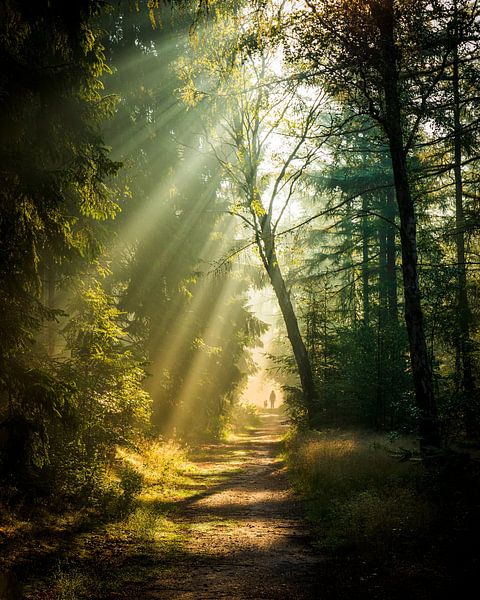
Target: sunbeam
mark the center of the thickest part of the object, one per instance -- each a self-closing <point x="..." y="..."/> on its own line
<point x="239" y="286"/>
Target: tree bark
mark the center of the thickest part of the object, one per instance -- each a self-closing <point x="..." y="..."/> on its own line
<point x="365" y="265"/>
<point x="383" y="279"/>
<point x="467" y="382"/>
<point x="382" y="325"/>
<point x="422" y="374"/>
<point x="302" y="359"/>
<point x="391" y="258"/>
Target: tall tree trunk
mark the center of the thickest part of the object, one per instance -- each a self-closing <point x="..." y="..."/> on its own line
<point x="422" y="374"/>
<point x="382" y="359"/>
<point x="393" y="355"/>
<point x="267" y="249"/>
<point x="365" y="265"/>
<point x="391" y="258"/>
<point x="383" y="275"/>
<point x="467" y="382"/>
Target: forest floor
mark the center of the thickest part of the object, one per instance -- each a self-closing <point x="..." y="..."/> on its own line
<point x="232" y="529"/>
<point x="221" y="521"/>
<point x="245" y="538"/>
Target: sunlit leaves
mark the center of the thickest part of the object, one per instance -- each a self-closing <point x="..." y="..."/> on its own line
<point x="257" y="206"/>
<point x="107" y="375"/>
<point x="54" y="191"/>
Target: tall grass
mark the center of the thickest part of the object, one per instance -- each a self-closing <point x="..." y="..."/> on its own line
<point x="144" y="482"/>
<point x="159" y="463"/>
<point x="69" y="585"/>
<point x="152" y="474"/>
<point x="360" y="495"/>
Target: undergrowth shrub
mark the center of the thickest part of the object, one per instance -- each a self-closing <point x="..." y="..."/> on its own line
<point x="361" y="495"/>
<point x="131" y="483"/>
<point x="70" y="585"/>
<point x="153" y="467"/>
<point x="295" y="406"/>
<point x="244" y="416"/>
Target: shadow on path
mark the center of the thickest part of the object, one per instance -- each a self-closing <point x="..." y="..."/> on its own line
<point x="245" y="537"/>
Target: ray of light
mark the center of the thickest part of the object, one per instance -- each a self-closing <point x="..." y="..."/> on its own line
<point x="143" y="222"/>
<point x="221" y="307"/>
<point x="142" y="225"/>
<point x="182" y="335"/>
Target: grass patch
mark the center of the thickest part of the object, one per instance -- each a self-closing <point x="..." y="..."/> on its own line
<point x="70" y="585"/>
<point x="394" y="522"/>
<point x="136" y="541"/>
<point x="146" y="524"/>
<point x="361" y="495"/>
<point x="161" y="467"/>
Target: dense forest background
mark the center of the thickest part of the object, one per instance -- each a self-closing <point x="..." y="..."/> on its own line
<point x="108" y="231"/>
<point x="161" y="161"/>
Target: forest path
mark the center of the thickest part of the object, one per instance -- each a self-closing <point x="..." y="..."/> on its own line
<point x="244" y="538"/>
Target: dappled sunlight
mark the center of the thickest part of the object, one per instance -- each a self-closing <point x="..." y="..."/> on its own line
<point x="245" y="499"/>
<point x="161" y="204"/>
<point x="239" y="299"/>
<point x="164" y="360"/>
<point x="248" y="518"/>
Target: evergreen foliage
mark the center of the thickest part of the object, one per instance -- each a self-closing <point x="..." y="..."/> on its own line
<point x="54" y="169"/>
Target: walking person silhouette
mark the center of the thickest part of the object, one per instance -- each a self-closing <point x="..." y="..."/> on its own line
<point x="272" y="399"/>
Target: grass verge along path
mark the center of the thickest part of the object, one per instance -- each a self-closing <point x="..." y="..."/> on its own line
<point x="243" y="538"/>
<point x="221" y="524"/>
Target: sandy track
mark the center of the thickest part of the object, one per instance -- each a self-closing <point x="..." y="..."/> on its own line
<point x="246" y="537"/>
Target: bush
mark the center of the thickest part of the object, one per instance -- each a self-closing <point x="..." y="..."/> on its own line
<point x="295" y="406"/>
<point x="244" y="416"/>
<point x="154" y="462"/>
<point x="361" y="495"/>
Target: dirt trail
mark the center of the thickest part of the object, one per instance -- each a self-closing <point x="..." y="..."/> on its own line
<point x="246" y="536"/>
